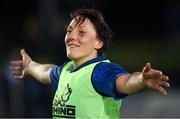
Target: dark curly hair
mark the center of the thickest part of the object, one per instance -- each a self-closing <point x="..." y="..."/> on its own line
<point x="101" y="27"/>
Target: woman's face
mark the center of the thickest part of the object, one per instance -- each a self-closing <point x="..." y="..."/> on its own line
<point x="81" y="40"/>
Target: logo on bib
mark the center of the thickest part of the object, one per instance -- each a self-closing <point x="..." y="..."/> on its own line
<point x="60" y="109"/>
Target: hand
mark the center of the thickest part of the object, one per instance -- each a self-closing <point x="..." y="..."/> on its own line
<point x="154" y="79"/>
<point x="19" y="67"/>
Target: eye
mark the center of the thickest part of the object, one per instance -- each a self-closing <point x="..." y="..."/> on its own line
<point x="81" y="32"/>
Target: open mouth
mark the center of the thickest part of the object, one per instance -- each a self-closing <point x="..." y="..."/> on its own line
<point x="73" y="45"/>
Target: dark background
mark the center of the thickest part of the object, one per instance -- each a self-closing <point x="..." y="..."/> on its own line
<point x="145" y="31"/>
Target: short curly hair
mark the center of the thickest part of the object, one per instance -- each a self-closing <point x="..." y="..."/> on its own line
<point x="101" y="27"/>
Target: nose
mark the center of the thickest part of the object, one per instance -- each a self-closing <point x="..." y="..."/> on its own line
<point x="70" y="36"/>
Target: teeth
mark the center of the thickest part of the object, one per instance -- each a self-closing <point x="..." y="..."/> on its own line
<point x="73" y="45"/>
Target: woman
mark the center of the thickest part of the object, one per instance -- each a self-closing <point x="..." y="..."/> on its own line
<point x="89" y="86"/>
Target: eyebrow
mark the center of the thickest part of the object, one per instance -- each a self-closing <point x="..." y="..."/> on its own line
<point x="71" y="27"/>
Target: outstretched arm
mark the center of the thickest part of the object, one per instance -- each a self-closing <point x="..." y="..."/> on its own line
<point x="20" y="68"/>
<point x="138" y="81"/>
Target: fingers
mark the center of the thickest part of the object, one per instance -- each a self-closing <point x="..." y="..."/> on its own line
<point x="18" y="77"/>
<point x="16" y="68"/>
<point x="147" y="67"/>
<point x="16" y="63"/>
<point x="23" y="53"/>
<point x="162" y="91"/>
<point x="16" y="71"/>
<point x="155" y="79"/>
<point x="158" y="81"/>
<point x="157" y="74"/>
<point x="26" y="58"/>
<point x="164" y="84"/>
<point x="164" y="78"/>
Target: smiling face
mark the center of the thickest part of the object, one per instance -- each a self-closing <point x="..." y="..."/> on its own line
<point x="81" y="41"/>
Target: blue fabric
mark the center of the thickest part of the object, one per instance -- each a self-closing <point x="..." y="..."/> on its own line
<point x="54" y="75"/>
<point x="103" y="78"/>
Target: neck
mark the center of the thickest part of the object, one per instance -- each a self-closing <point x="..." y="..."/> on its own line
<point x="79" y="61"/>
